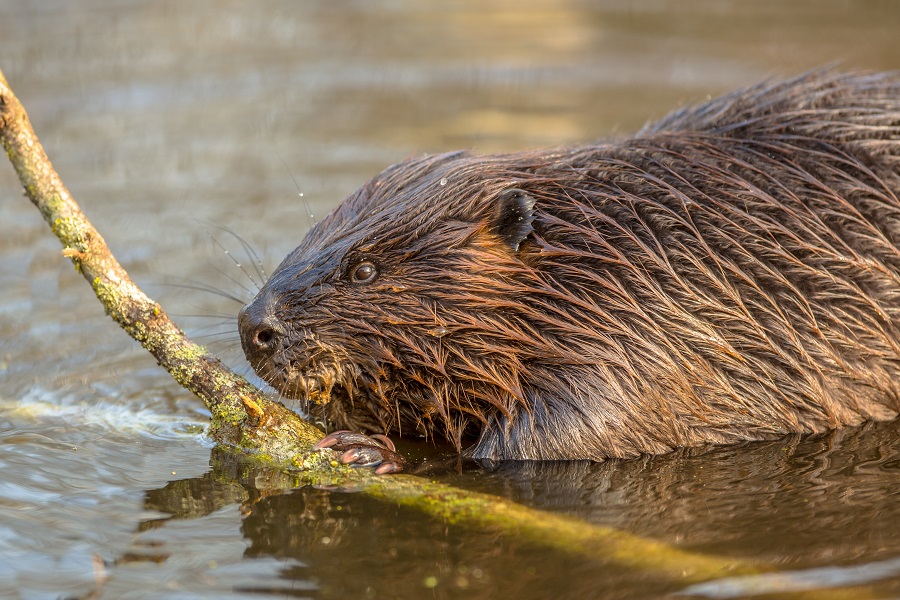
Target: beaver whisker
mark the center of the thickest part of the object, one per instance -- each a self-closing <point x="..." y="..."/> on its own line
<point x="250" y="253"/>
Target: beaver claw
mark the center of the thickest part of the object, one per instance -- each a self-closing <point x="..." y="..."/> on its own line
<point x="364" y="451"/>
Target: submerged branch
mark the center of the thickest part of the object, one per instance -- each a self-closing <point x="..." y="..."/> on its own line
<point x="243" y="418"/>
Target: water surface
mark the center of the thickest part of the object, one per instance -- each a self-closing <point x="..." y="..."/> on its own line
<point x="172" y="120"/>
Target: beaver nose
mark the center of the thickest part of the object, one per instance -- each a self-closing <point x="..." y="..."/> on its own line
<point x="258" y="328"/>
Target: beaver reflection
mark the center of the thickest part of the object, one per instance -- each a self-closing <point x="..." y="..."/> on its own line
<point x="729" y="273"/>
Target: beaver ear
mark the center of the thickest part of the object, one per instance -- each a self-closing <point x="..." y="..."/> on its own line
<point x="512" y="215"/>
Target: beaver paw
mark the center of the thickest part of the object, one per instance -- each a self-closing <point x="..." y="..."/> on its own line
<point x="360" y="450"/>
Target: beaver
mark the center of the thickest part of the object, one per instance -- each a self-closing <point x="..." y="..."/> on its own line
<point x="729" y="273"/>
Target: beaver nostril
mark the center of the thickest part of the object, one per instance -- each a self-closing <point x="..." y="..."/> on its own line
<point x="264" y="337"/>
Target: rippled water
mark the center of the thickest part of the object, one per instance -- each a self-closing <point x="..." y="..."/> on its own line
<point x="170" y="121"/>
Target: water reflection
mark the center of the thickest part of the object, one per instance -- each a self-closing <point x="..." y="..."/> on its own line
<point x="791" y="504"/>
<point x="796" y="501"/>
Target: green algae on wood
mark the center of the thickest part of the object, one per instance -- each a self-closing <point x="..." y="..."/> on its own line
<point x="560" y="532"/>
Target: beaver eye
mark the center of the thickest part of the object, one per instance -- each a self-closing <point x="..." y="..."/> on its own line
<point x="364" y="272"/>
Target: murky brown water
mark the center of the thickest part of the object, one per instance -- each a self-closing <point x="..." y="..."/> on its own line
<point x="169" y="120"/>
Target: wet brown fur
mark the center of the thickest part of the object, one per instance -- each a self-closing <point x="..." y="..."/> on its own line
<point x="729" y="273"/>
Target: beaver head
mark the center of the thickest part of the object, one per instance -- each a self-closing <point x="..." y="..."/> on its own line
<point x="396" y="311"/>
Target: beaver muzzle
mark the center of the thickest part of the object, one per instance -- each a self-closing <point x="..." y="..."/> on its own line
<point x="260" y="331"/>
<point x="290" y="359"/>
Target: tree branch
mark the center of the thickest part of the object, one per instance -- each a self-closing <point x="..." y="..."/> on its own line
<point x="241" y="416"/>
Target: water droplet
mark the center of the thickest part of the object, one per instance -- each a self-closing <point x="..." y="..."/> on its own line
<point x="443" y="181"/>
